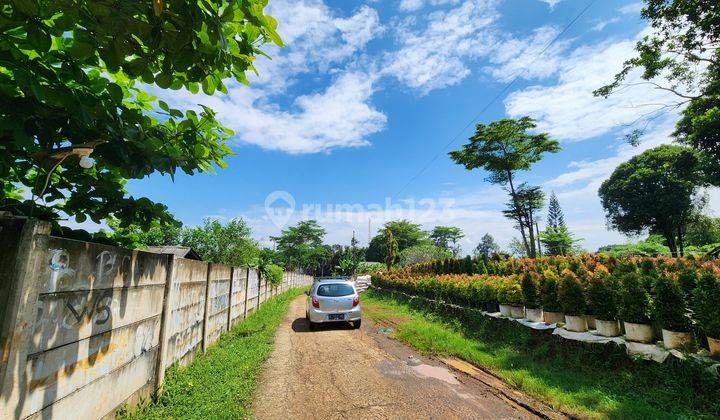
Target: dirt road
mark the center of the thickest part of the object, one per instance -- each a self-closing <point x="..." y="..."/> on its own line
<point x="338" y="372"/>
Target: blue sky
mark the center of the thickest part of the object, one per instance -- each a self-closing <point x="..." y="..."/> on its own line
<point x="355" y="109"/>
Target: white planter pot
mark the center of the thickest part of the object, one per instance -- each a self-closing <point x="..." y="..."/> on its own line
<point x="534" y="315"/>
<point x="642" y="333"/>
<point x="607" y="328"/>
<point x="553" y="317"/>
<point x="674" y="339"/>
<point x="576" y="323"/>
<point x="591" y="322"/>
<point x="714" y="344"/>
<point x="505" y="310"/>
<point x="517" y="312"/>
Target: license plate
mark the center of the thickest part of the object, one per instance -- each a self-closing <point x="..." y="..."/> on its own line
<point x="336" y="317"/>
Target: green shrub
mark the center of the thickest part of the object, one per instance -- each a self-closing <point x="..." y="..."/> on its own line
<point x="365" y="267"/>
<point x="273" y="273"/>
<point x="603" y="297"/>
<point x="670" y="308"/>
<point x="571" y="294"/>
<point x="636" y="304"/>
<point x="707" y="304"/>
<point x="510" y="293"/>
<point x="687" y="279"/>
<point x="529" y="286"/>
<point x="549" y="292"/>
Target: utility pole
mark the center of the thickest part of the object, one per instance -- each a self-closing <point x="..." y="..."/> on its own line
<point x="369" y="232"/>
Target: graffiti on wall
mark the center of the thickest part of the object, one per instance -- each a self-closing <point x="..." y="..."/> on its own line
<point x="92" y="306"/>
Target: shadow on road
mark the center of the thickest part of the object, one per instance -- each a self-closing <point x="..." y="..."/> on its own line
<point x="301" y="325"/>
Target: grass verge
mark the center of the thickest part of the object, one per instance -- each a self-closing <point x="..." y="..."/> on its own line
<point x="219" y="383"/>
<point x="579" y="379"/>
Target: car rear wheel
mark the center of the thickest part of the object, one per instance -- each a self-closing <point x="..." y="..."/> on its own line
<point x="356" y="324"/>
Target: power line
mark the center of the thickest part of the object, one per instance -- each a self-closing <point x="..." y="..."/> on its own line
<point x="496" y="97"/>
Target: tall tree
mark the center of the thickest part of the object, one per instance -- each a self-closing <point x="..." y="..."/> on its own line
<point x="523" y="209"/>
<point x="503" y="148"/>
<point x="72" y="74"/>
<point x="447" y="237"/>
<point x="654" y="191"/>
<point x="681" y="54"/>
<point x="302" y="246"/>
<point x="558" y="240"/>
<point x="230" y="243"/>
<point x="556" y="218"/>
<point x="486" y="247"/>
<point x="406" y="234"/>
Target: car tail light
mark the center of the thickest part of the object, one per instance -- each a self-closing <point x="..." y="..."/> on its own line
<point x="356" y="301"/>
<point x="316" y="303"/>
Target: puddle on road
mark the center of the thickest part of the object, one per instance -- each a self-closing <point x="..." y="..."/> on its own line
<point x="437" y="372"/>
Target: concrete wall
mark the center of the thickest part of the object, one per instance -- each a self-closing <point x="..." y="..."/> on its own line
<point x="238" y="295"/>
<point x="87" y="328"/>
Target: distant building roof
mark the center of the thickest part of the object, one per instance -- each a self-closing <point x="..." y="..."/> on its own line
<point x="178" y="251"/>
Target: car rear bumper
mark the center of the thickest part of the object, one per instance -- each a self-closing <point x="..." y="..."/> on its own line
<point x="318" y="316"/>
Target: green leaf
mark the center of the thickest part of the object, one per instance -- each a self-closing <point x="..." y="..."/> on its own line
<point x="27" y="7"/>
<point x="135" y="67"/>
<point x="115" y="92"/>
<point x="208" y="86"/>
<point x="163" y="80"/>
<point x="201" y="152"/>
<point x="39" y="39"/>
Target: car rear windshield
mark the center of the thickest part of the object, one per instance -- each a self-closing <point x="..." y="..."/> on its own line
<point x="335" y="290"/>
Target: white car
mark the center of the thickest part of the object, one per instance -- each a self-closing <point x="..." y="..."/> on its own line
<point x="333" y="300"/>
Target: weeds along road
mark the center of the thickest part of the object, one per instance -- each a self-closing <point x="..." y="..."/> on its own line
<point x="338" y="372"/>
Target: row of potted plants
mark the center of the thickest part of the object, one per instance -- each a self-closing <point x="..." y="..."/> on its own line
<point x="580" y="265"/>
<point x="628" y="300"/>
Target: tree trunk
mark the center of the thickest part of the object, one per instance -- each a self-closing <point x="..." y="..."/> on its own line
<point x="681" y="247"/>
<point x="670" y="238"/>
<point x="518" y="212"/>
<point x="533" y="252"/>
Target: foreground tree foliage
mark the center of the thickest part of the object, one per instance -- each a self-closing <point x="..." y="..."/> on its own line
<point x="503" y="148"/>
<point x="655" y="191"/>
<point x="72" y="72"/>
<point x="682" y="55"/>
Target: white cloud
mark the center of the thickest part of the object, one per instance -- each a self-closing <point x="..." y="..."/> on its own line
<point x="632" y="8"/>
<point x="337" y="114"/>
<point x="551" y="3"/>
<point x="340" y="116"/>
<point x="521" y="57"/>
<point x="413" y="5"/>
<point x="315" y="39"/>
<point x="432" y="54"/>
<point x="601" y="24"/>
<point x="569" y="111"/>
